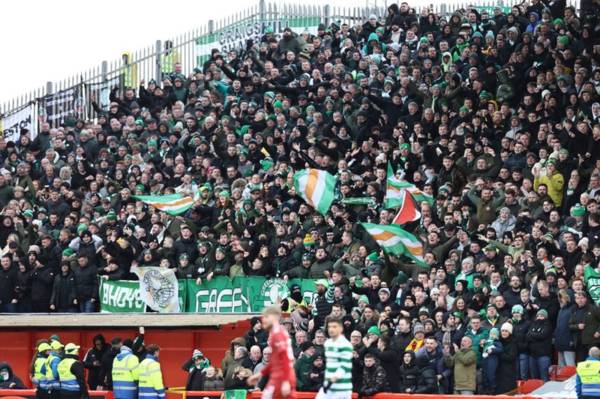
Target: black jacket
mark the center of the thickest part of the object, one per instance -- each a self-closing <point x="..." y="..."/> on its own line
<point x="408" y="375"/>
<point x="63" y="292"/>
<point x="95" y="355"/>
<point x="539" y="338"/>
<point x="42" y="279"/>
<point x="8" y="285"/>
<point x="506" y="373"/>
<point x="13" y="382"/>
<point x="86" y="283"/>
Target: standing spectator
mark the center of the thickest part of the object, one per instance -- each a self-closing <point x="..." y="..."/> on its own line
<point x="539" y="340"/>
<point x="491" y="354"/>
<point x="464" y="363"/>
<point x="408" y="374"/>
<point x="93" y="360"/>
<point x="585" y="323"/>
<point x="64" y="291"/>
<point x="506" y="374"/>
<point x="374" y="379"/>
<point x="563" y="336"/>
<point x="86" y="284"/>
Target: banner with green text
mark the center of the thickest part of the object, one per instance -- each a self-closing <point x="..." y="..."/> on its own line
<point x="124" y="296"/>
<point x="220" y="295"/>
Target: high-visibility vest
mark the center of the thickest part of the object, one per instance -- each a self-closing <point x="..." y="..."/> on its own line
<point x="39" y="372"/>
<point x="151" y="382"/>
<point x="589" y="374"/>
<point x="68" y="381"/>
<point x="52" y="381"/>
<point x="125" y="377"/>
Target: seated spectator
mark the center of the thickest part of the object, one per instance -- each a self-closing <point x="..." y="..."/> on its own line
<point x="8" y="380"/>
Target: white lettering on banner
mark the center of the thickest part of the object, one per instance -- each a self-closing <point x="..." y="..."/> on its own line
<point x="12" y="124"/>
<point x="221" y="301"/>
<point x="121" y="297"/>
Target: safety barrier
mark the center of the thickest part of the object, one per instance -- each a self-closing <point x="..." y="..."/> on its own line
<point x="30" y="394"/>
<point x="72" y="96"/>
<point x="312" y="395"/>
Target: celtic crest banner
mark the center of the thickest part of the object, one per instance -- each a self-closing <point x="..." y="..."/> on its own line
<point x="159" y="288"/>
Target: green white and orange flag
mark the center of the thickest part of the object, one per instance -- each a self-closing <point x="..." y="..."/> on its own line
<point x="393" y="192"/>
<point x="408" y="210"/>
<point x="395" y="240"/>
<point x="173" y="204"/>
<point x="316" y="187"/>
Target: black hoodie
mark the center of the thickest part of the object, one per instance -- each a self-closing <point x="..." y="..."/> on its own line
<point x="13" y="382"/>
<point x="409" y="374"/>
<point x="93" y="361"/>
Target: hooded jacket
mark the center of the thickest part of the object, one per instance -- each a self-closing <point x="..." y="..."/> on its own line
<point x="12" y="382"/>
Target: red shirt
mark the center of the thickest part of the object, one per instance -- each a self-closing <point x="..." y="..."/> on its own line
<point x="281" y="364"/>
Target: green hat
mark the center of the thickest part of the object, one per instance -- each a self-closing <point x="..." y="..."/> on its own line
<point x="463" y="109"/>
<point x="269" y="94"/>
<point x="269" y="29"/>
<point x="68" y="252"/>
<point x="81" y="228"/>
<point x="140" y="187"/>
<point x="405" y="146"/>
<point x="402" y="277"/>
<point x="322" y="282"/>
<point x="374" y="330"/>
<point x="517" y="309"/>
<point x="490" y="248"/>
<point x="272" y="117"/>
<point x="564" y="40"/>
<point x="183" y="256"/>
<point x="360" y="76"/>
<point x="243" y="130"/>
<point x="423" y="40"/>
<point x="266" y="164"/>
<point x="542" y="312"/>
<point x="577" y="210"/>
<point x="277" y="104"/>
<point x="153" y="143"/>
<point x="373" y="256"/>
<point x="551" y="161"/>
<point x="28" y="213"/>
<point x="363" y="298"/>
<point x="111" y="215"/>
<point x="485" y="94"/>
<point x="225" y="194"/>
<point x="380" y="29"/>
<point x="458" y="313"/>
<point x="139" y="122"/>
<point x="558" y="21"/>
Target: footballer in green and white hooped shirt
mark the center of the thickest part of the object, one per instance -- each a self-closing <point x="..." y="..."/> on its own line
<point x="338" y="363"/>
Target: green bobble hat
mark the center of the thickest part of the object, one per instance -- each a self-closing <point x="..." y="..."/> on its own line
<point x="322" y="282"/>
<point x="373" y="256"/>
<point x="81" y="228"/>
<point x="577" y="210"/>
<point x="374" y="330"/>
<point x="517" y="309"/>
<point x="68" y="252"/>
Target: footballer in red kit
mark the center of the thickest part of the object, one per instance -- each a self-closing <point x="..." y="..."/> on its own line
<point x="280" y="369"/>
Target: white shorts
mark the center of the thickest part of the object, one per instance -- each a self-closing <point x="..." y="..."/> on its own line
<point x="333" y="394"/>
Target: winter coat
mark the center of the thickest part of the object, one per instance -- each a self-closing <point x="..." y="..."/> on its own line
<point x="41" y="284"/>
<point x="539" y="338"/>
<point x="64" y="292"/>
<point x="564" y="339"/>
<point x="374" y="380"/>
<point x="589" y="315"/>
<point x="92" y="355"/>
<point x="13" y="382"/>
<point x="388" y="359"/>
<point x="408" y="375"/>
<point x="465" y="366"/>
<point x="86" y="283"/>
<point x="506" y="373"/>
<point x="520" y="334"/>
<point x="8" y="285"/>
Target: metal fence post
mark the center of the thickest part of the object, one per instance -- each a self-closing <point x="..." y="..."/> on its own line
<point x="443" y="9"/>
<point x="104" y="71"/>
<point x="49" y="88"/>
<point x="158" y="61"/>
<point x="327" y="16"/>
<point x="262" y="10"/>
<point x="211" y="26"/>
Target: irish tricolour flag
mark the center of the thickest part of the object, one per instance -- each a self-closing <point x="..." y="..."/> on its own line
<point x="173" y="204"/>
<point x="395" y="240"/>
<point x="393" y="193"/>
<point x="316" y="187"/>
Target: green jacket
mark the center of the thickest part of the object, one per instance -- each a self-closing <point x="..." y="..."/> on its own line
<point x="477" y="337"/>
<point x="302" y="368"/>
<point x="486" y="211"/>
<point x="465" y="369"/>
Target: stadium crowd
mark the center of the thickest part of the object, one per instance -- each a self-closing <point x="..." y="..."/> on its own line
<point x="495" y="115"/>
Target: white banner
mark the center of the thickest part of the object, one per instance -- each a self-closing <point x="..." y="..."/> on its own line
<point x="159" y="288"/>
<point x="11" y="125"/>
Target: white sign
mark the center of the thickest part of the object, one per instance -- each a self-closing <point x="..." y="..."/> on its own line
<point x="159" y="288"/>
<point x="11" y="125"/>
